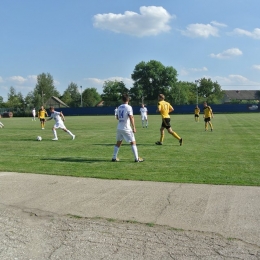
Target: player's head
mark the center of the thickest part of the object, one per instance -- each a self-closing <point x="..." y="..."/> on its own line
<point x="51" y="108"/>
<point x="142" y="105"/>
<point x="125" y="98"/>
<point x="205" y="104"/>
<point x="161" y="97"/>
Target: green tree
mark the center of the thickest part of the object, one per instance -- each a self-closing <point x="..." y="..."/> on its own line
<point x="44" y="89"/>
<point x="112" y="92"/>
<point x="90" y="97"/>
<point x="15" y="100"/>
<point x="2" y="103"/>
<point x="152" y="78"/>
<point x="210" y="91"/>
<point x="72" y="96"/>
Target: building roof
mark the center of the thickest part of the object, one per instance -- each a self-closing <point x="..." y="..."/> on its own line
<point x="242" y="94"/>
<point x="57" y="101"/>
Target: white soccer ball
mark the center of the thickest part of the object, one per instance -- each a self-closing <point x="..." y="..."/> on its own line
<point x="39" y="138"/>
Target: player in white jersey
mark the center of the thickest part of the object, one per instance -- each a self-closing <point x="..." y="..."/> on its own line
<point x="124" y="130"/>
<point x="33" y="114"/>
<point x="144" y="116"/>
<point x="115" y="112"/>
<point x="59" y="123"/>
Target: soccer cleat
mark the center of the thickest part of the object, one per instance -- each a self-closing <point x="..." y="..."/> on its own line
<point x="139" y="159"/>
<point x="55" y="139"/>
<point x="180" y="141"/>
<point x="158" y="143"/>
<point x="73" y="137"/>
<point x="211" y="129"/>
<point x="115" y="160"/>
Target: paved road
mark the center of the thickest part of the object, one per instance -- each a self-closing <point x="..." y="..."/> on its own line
<point x="51" y="217"/>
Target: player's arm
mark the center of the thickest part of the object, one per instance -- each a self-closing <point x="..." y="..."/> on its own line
<point x="132" y="121"/>
<point x="171" y="109"/>
<point x="158" y="108"/>
<point x="62" y="116"/>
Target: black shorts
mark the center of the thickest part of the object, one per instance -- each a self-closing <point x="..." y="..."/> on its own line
<point x="42" y="119"/>
<point x="196" y="115"/>
<point x="166" y="123"/>
<point x="207" y="119"/>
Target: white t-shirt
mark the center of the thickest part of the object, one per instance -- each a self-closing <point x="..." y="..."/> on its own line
<point x="56" y="116"/>
<point x="33" y="112"/>
<point x="143" y="111"/>
<point x="123" y="112"/>
<point x="116" y="111"/>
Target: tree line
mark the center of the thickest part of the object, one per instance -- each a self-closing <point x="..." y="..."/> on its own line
<point x="149" y="79"/>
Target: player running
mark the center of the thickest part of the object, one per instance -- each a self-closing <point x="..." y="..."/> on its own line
<point x="164" y="108"/>
<point x="59" y="123"/>
<point x="41" y="115"/>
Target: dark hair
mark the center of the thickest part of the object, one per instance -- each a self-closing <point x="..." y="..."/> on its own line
<point x="125" y="97"/>
<point x="51" y="107"/>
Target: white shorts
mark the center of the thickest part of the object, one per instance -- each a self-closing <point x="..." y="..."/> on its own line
<point x="144" y="117"/>
<point x="59" y="125"/>
<point x="127" y="135"/>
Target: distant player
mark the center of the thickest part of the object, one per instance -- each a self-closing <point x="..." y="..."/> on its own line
<point x="124" y="130"/>
<point x="197" y="114"/>
<point x="208" y="114"/>
<point x="41" y="115"/>
<point x="115" y="112"/>
<point x="59" y="123"/>
<point x="33" y="114"/>
<point x="164" y="108"/>
<point x="1" y="125"/>
<point x="144" y="116"/>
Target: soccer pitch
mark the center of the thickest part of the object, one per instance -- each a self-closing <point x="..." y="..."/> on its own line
<point x="228" y="155"/>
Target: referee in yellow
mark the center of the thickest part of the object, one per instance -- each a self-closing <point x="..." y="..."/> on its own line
<point x="41" y="115"/>
<point x="164" y="108"/>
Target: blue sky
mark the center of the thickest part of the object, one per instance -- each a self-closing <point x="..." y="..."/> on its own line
<point x="90" y="41"/>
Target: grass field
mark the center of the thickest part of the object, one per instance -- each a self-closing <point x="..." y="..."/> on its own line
<point x="228" y="155"/>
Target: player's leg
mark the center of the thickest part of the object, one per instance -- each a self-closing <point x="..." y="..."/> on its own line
<point x="174" y="134"/>
<point x="119" y="139"/>
<point x="54" y="133"/>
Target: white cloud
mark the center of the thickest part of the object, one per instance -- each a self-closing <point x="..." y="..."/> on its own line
<point x="227" y="54"/>
<point x="152" y="20"/>
<point x="218" y="24"/>
<point x="236" y="82"/>
<point x="200" y="30"/>
<point x="257" y="67"/>
<point x="199" y="69"/>
<point x="255" y="34"/>
<point x="17" y="79"/>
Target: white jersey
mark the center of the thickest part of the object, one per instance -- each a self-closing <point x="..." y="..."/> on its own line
<point x="56" y="116"/>
<point x="33" y="112"/>
<point x="116" y="111"/>
<point x="123" y="113"/>
<point x="143" y="111"/>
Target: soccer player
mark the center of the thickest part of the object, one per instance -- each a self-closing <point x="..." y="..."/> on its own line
<point x="197" y="114"/>
<point x="208" y="114"/>
<point x="115" y="112"/>
<point x="144" y="116"/>
<point x="164" y="108"/>
<point x="124" y="131"/>
<point x="41" y="115"/>
<point x="33" y="114"/>
<point x="59" y="123"/>
<point x="1" y="125"/>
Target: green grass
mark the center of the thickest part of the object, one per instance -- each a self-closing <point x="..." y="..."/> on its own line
<point x="228" y="155"/>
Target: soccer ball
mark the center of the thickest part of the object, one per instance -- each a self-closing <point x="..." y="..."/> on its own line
<point x="39" y="138"/>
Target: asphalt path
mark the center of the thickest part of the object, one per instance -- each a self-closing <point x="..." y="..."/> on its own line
<point x="55" y="217"/>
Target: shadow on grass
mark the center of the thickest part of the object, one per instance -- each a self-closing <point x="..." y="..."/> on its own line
<point x="73" y="159"/>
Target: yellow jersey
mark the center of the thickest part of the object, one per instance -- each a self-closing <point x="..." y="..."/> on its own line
<point x="42" y="113"/>
<point x="197" y="111"/>
<point x="164" y="108"/>
<point x="207" y="111"/>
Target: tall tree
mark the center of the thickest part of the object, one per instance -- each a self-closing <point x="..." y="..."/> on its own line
<point x="90" y="97"/>
<point x="71" y="95"/>
<point x="152" y="78"/>
<point x="112" y="92"/>
<point x="210" y="91"/>
<point x="44" y="89"/>
<point x="15" y="100"/>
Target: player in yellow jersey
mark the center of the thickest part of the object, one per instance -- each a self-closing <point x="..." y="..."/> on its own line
<point x="164" y="108"/>
<point x="197" y="114"/>
<point x="208" y="114"/>
<point x="41" y="115"/>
